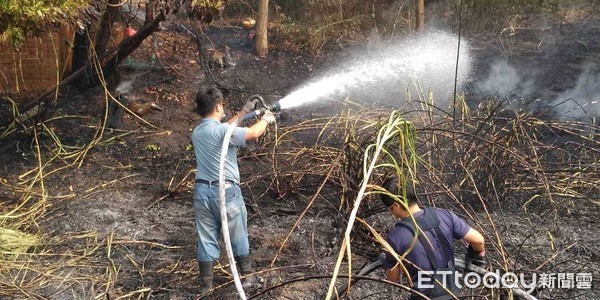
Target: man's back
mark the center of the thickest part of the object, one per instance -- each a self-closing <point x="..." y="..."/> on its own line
<point x="207" y="139"/>
<point x="401" y="238"/>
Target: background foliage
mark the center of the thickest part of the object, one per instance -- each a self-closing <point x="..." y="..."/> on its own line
<point x="317" y="25"/>
<point x="20" y="18"/>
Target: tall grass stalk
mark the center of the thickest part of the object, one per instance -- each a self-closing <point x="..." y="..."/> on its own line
<point x="396" y="127"/>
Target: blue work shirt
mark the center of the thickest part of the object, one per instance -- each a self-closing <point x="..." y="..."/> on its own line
<point x="207" y="139"/>
<point x="401" y="238"/>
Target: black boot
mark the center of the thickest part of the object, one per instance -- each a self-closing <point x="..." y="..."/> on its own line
<point x="206" y="279"/>
<point x="245" y="267"/>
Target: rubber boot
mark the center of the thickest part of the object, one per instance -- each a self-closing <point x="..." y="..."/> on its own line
<point x="245" y="267"/>
<point x="206" y="279"/>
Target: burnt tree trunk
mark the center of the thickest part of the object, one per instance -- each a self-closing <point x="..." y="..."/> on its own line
<point x="420" y="15"/>
<point x="105" y="28"/>
<point x="81" y="45"/>
<point x="111" y="60"/>
<point x="103" y="35"/>
<point x="85" y="74"/>
<point x="81" y="51"/>
<point x="129" y="45"/>
<point x="262" y="42"/>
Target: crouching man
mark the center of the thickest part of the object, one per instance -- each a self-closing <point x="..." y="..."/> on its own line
<point x="430" y="257"/>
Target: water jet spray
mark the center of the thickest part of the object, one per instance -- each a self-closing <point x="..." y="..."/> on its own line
<point x="388" y="71"/>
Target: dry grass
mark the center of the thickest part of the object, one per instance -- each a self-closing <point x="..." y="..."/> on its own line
<point x="38" y="264"/>
<point x="14" y="243"/>
<point x="573" y="14"/>
<point x="487" y="160"/>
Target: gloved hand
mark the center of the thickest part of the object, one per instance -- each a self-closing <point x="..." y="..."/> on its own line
<point x="250" y="105"/>
<point x="382" y="257"/>
<point x="269" y="117"/>
<point x="474" y="258"/>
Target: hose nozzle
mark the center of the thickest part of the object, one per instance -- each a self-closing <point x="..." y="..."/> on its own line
<point x="261" y="107"/>
<point x="274" y="107"/>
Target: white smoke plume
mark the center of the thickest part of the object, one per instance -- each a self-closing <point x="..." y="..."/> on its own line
<point x="504" y="81"/>
<point x="583" y="101"/>
<point x="124" y="87"/>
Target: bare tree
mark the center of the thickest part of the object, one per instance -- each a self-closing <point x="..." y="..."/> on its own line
<point x="262" y="42"/>
<point x="106" y="26"/>
<point x="420" y="15"/>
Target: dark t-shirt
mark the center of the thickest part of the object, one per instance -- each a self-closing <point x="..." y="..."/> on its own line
<point x="400" y="238"/>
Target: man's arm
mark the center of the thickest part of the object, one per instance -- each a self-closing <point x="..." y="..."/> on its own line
<point x="248" y="107"/>
<point x="240" y="114"/>
<point x="476" y="240"/>
<point x="260" y="127"/>
<point x="256" y="130"/>
<point x="461" y="230"/>
<point x="253" y="131"/>
<point x="475" y="250"/>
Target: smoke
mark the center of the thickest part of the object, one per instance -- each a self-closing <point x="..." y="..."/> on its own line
<point x="440" y="15"/>
<point x="582" y="101"/>
<point x="124" y="87"/>
<point x="504" y="81"/>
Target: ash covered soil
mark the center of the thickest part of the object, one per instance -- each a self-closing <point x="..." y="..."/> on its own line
<point x="127" y="210"/>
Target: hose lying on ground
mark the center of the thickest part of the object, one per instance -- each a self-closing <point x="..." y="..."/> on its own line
<point x="459" y="263"/>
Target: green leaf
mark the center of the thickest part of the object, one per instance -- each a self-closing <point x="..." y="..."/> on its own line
<point x="18" y="17"/>
<point x="152" y="147"/>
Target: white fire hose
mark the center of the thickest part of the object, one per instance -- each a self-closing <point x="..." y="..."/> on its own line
<point x="223" y="206"/>
<point x="222" y="200"/>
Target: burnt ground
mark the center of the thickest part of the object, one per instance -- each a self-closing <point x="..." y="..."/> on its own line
<point x="121" y="224"/>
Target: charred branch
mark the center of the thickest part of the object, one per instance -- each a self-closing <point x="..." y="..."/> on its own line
<point x="105" y="27"/>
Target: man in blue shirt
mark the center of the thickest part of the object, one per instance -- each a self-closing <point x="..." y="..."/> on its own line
<point x="207" y="139"/>
<point x="433" y="247"/>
